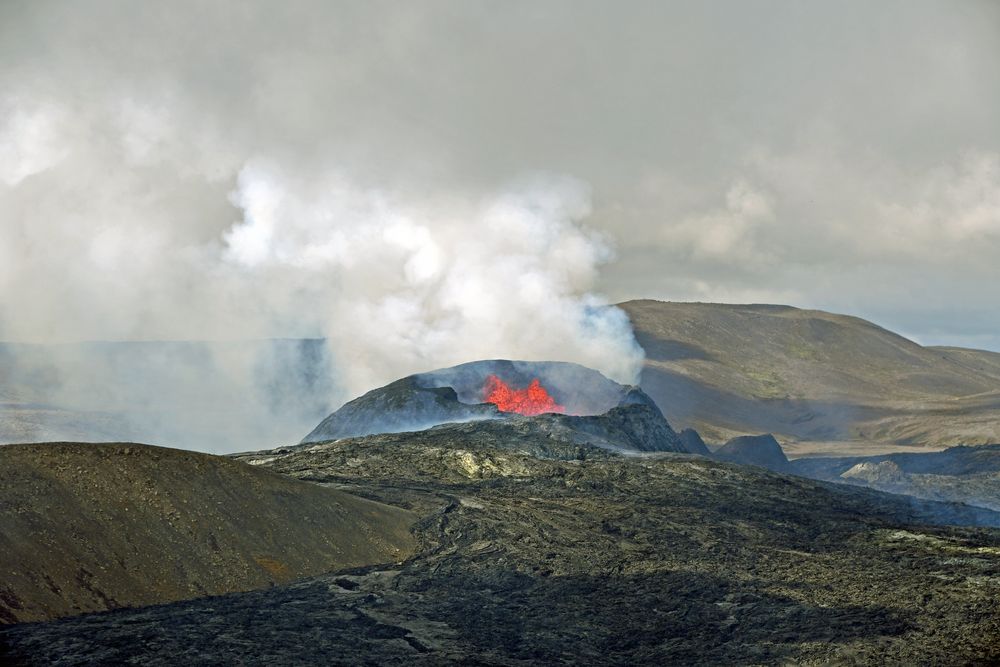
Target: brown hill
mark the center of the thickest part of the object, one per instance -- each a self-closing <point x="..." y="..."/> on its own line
<point x="819" y="381"/>
<point x="87" y="527"/>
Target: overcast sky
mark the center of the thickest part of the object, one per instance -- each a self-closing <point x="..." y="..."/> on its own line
<point x="241" y="169"/>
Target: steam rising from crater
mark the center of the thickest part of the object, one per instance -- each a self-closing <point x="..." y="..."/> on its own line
<point x="408" y="285"/>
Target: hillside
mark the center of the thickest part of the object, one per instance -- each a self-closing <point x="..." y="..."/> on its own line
<point x="87" y="527"/>
<point x="821" y="382"/>
<point x="570" y="555"/>
<point x="977" y="360"/>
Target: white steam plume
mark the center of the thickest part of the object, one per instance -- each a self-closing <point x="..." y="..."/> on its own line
<point x="410" y="286"/>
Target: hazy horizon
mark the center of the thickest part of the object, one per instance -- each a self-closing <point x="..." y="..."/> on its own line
<point x="924" y="341"/>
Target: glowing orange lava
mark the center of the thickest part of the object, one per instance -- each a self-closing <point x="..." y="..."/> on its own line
<point x="533" y="400"/>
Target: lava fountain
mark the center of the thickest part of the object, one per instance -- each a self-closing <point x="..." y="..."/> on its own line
<point x="532" y="400"/>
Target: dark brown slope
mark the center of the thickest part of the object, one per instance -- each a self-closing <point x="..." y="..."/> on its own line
<point x="87" y="527"/>
<point x="817" y="380"/>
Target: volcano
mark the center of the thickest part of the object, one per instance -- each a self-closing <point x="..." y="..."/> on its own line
<point x="577" y="402"/>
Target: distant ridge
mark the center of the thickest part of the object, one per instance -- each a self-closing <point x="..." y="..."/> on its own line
<point x="816" y="380"/>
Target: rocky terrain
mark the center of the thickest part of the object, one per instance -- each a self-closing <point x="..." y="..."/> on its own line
<point x="959" y="460"/>
<point x="536" y="550"/>
<point x="822" y="383"/>
<point x="968" y="475"/>
<point x="87" y="527"/>
<point x="403" y="405"/>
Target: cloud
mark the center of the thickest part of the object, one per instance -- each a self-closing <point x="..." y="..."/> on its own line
<point x="728" y="234"/>
<point x="954" y="211"/>
<point x="27" y="140"/>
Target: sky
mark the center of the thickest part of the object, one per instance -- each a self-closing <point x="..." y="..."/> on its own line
<point x="425" y="183"/>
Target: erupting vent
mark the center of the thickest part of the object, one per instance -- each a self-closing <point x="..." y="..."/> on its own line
<point x="531" y="401"/>
<point x="559" y="401"/>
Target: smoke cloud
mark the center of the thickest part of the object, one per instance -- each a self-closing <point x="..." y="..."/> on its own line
<point x="404" y="286"/>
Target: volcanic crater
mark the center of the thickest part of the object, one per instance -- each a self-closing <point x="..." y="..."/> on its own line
<point x="560" y="398"/>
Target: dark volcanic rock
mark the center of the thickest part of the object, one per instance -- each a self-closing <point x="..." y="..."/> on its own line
<point x="403" y="405"/>
<point x="629" y="429"/>
<point x="692" y="441"/>
<point x="663" y="559"/>
<point x="636" y="424"/>
<point x="599" y="412"/>
<point x="757" y="450"/>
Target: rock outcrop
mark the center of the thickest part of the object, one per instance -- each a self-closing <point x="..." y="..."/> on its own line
<point x="693" y="443"/>
<point x="757" y="450"/>
<point x="875" y="474"/>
